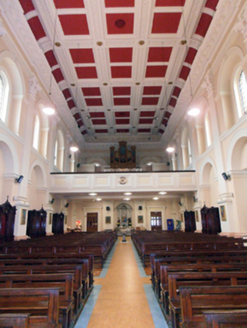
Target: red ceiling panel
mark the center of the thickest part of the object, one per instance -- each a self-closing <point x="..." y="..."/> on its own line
<point x="156" y="71"/>
<point x="82" y="56"/>
<point x="91" y="92"/>
<point x="203" y="24"/>
<point x="121" y="55"/>
<point x="50" y="57"/>
<point x="145" y="121"/>
<point x="122" y="130"/>
<point x="74" y="24"/>
<point x="80" y="123"/>
<point x="84" y="132"/>
<point x="77" y="117"/>
<point x="164" y="122"/>
<point x="121" y="101"/>
<point x="101" y="131"/>
<point x="126" y="29"/>
<point x="167" y="115"/>
<point x="169" y="3"/>
<point x="97" y="114"/>
<point x="166" y="22"/>
<point x="161" y="131"/>
<point x="185" y="71"/>
<point x="57" y="73"/>
<point x="99" y="122"/>
<point x="122" y="121"/>
<point x="71" y="103"/>
<point x="157" y="54"/>
<point x="36" y="27"/>
<point x="176" y="92"/>
<point x="119" y="3"/>
<point x="152" y="90"/>
<point x="94" y="101"/>
<point x="122" y="114"/>
<point x="118" y="72"/>
<point x="191" y="55"/>
<point x="150" y="101"/>
<point x="147" y="114"/>
<point x="27" y="5"/>
<point x="212" y="4"/>
<point x="173" y="102"/>
<point x="86" y="72"/>
<point x="121" y="91"/>
<point x="66" y="93"/>
<point x="144" y="130"/>
<point x="62" y="4"/>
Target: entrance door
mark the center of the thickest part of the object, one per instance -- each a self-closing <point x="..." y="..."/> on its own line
<point x="92" y="222"/>
<point x="156" y="221"/>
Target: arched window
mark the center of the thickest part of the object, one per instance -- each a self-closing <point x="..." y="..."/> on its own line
<point x="242" y="85"/>
<point x="4" y="95"/>
<point x="207" y="130"/>
<point x="36" y="133"/>
<point x="189" y="152"/>
<point x="55" y="154"/>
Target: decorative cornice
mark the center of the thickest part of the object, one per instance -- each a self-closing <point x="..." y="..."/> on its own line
<point x="34" y="86"/>
<point x="241" y="25"/>
<point x="208" y="84"/>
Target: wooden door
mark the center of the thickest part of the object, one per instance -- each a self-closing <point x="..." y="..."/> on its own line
<point x="92" y="222"/>
<point x="156" y="221"/>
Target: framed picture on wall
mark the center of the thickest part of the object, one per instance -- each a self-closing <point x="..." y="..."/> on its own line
<point x="223" y="213"/>
<point x="107" y="219"/>
<point x="196" y="216"/>
<point x="50" y="218"/>
<point x="140" y="219"/>
<point x="23" y="216"/>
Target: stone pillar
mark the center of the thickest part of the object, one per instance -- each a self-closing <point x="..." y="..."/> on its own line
<point x="16" y="110"/>
<point x="185" y="156"/>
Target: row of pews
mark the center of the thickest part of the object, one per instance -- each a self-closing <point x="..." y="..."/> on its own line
<point x="199" y="280"/>
<point x="45" y="282"/>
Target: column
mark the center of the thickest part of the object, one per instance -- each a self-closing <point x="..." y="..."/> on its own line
<point x="200" y="138"/>
<point x="16" y="110"/>
<point x="185" y="156"/>
<point x="44" y="142"/>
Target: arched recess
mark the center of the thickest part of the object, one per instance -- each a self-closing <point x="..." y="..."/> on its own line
<point x="9" y="166"/>
<point x="209" y="189"/>
<point x="225" y="85"/>
<point x="10" y="66"/>
<point x="237" y="165"/>
<point x="185" y="148"/>
<point x="59" y="151"/>
<point x="37" y="189"/>
<point x="44" y="128"/>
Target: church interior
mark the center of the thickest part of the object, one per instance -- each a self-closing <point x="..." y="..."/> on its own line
<point x="123" y="122"/>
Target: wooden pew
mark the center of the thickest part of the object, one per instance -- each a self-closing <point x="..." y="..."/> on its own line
<point x="226" y="319"/>
<point x="14" y="320"/>
<point x="196" y="300"/>
<point x="74" y="269"/>
<point x="42" y="305"/>
<point x="63" y="281"/>
<point x="177" y="280"/>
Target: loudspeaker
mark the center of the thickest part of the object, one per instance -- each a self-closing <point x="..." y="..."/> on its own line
<point x="108" y="208"/>
<point x="140" y="208"/>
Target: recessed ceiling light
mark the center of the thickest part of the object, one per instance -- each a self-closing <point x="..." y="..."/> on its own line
<point x="162" y="192"/>
<point x="128" y="193"/>
<point x="170" y="149"/>
<point x="126" y="199"/>
<point x="105" y="84"/>
<point x="183" y="42"/>
<point x="92" y="194"/>
<point x="141" y="42"/>
<point x="74" y="149"/>
<point x="98" y="199"/>
<point x="155" y="198"/>
<point x="99" y="43"/>
<point x="72" y="84"/>
<point x="138" y="83"/>
<point x="194" y="112"/>
<point x="57" y="44"/>
<point x="170" y="83"/>
<point x="48" y="110"/>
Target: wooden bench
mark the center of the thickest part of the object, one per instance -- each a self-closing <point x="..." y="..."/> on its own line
<point x="42" y="305"/>
<point x="196" y="300"/>
<point x="226" y="319"/>
<point x="14" y="320"/>
<point x="63" y="281"/>
<point x="177" y="280"/>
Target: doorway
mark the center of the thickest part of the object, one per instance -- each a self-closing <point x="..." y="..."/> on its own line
<point x="156" y="221"/>
<point x="92" y="222"/>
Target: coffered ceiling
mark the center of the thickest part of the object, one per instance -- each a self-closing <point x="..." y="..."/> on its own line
<point x="121" y="65"/>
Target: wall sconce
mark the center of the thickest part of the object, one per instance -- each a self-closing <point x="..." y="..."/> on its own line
<point x="78" y="165"/>
<point x="195" y="199"/>
<point x="108" y="208"/>
<point x="180" y="204"/>
<point x="67" y="205"/>
<point x="19" y="180"/>
<point x="52" y="201"/>
<point x="226" y="176"/>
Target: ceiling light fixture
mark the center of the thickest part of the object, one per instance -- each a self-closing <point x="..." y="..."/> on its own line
<point x="99" y="199"/>
<point x="170" y="149"/>
<point x="128" y="193"/>
<point x="74" y="149"/>
<point x="48" y="110"/>
<point x="193" y="112"/>
<point x="126" y="199"/>
<point x="92" y="194"/>
<point x="155" y="198"/>
<point x="162" y="193"/>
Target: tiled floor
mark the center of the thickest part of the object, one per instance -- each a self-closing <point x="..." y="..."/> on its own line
<point x="122" y="295"/>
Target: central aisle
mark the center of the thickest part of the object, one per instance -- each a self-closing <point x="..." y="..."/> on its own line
<point x="122" y="300"/>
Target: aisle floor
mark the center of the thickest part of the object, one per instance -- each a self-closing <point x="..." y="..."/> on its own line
<point x="122" y="295"/>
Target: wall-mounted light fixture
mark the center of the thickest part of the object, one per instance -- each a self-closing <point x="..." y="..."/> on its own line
<point x="180" y="204"/>
<point x="226" y="176"/>
<point x="67" y="205"/>
<point x="19" y="180"/>
<point x="195" y="199"/>
<point x="52" y="201"/>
